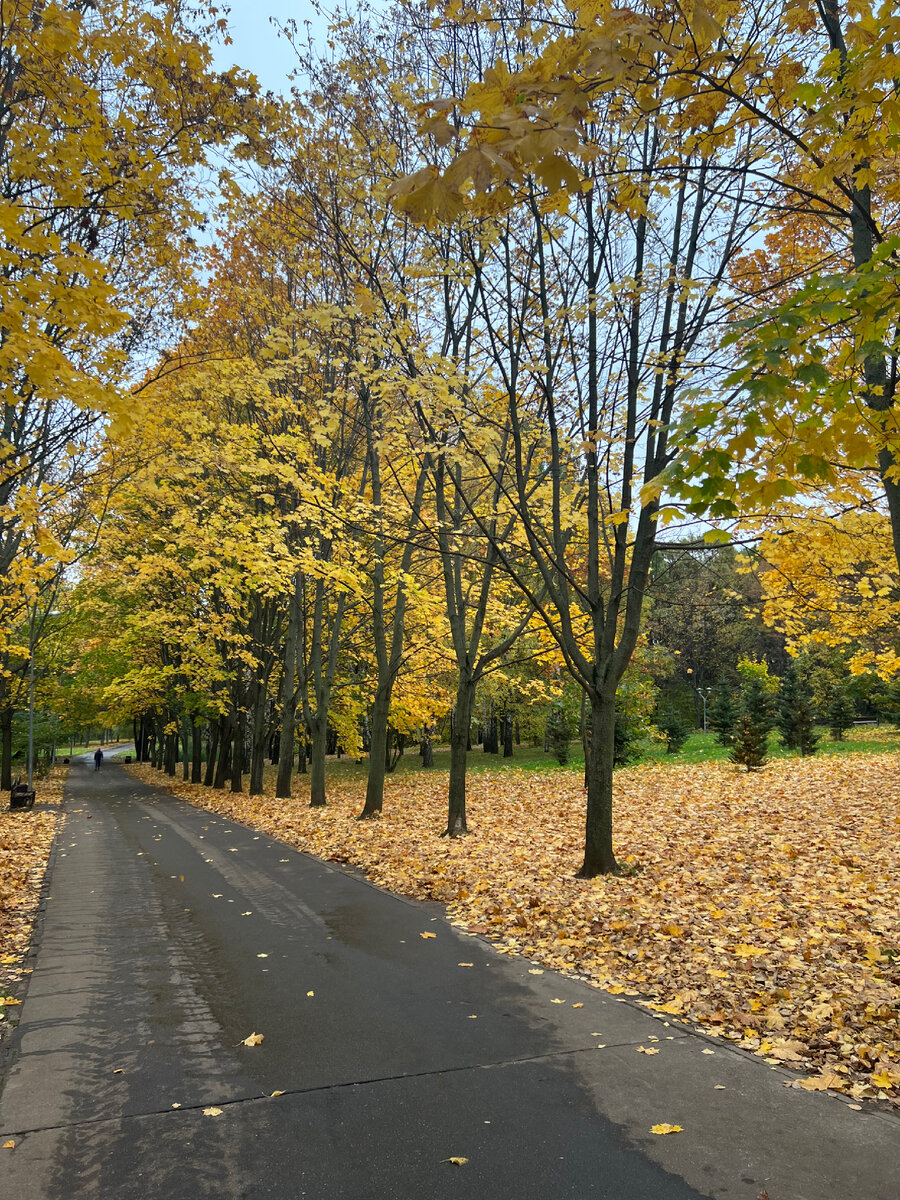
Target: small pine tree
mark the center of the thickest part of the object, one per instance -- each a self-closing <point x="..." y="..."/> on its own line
<point x="807" y="738"/>
<point x="722" y="715"/>
<point x="559" y="730"/>
<point x="674" y="727"/>
<point x="751" y="733"/>
<point x="840" y="713"/>
<point x="788" y="701"/>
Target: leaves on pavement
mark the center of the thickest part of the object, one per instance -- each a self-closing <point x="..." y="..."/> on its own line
<point x="762" y="907"/>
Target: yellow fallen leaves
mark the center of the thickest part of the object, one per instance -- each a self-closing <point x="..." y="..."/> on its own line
<point x="457" y="1161"/>
<point x="784" y="885"/>
<point x="25" y="840"/>
<point x="255" y="1039"/>
<point x="427" y="935"/>
<point x="647" y="1050"/>
<point x="310" y="993"/>
<point x="666" y="1129"/>
<point x="212" y="1111"/>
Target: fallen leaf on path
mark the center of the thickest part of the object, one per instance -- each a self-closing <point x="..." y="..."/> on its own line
<point x="255" y="1039"/>
<point x="176" y="1105"/>
<point x="274" y="1094"/>
<point x="647" y="1050"/>
<point x="578" y="1006"/>
<point x="10" y="1145"/>
<point x="465" y="964"/>
<point x="262" y="956"/>
<point x="666" y="1129"/>
<point x="119" y="1071"/>
<point x="310" y="993"/>
<point x="456" y="1160"/>
<point x="212" y="1112"/>
<point x="535" y="971"/>
<point x="556" y="1000"/>
<point x="707" y="1051"/>
<point x="427" y="935"/>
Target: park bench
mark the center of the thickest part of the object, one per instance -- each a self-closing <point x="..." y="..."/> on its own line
<point x="21" y="795"/>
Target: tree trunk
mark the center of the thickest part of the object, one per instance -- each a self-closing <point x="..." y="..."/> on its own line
<point x="598" y="848"/>
<point x="237" y="753"/>
<point x="171" y="743"/>
<point x="258" y="740"/>
<point x="459" y="742"/>
<point x="507" y="736"/>
<point x="301" y="755"/>
<point x="196" y="752"/>
<point x="426" y="749"/>
<point x="223" y="765"/>
<point x="6" y="734"/>
<point x="319" y="733"/>
<point x="212" y="751"/>
<point x="186" y="735"/>
<point x="288" y="683"/>
<point x="379" y="752"/>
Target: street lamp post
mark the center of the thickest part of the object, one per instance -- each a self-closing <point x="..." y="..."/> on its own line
<point x="704" y="694"/>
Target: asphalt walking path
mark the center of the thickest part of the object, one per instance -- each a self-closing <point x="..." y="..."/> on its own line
<point x="169" y="935"/>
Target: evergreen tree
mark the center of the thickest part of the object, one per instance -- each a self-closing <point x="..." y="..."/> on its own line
<point x="675" y="728"/>
<point x="839" y="713"/>
<point x="749" y="743"/>
<point x="722" y="715"/>
<point x="559" y="731"/>
<point x="795" y="715"/>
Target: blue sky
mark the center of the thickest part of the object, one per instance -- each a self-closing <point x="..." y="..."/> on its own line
<point x="256" y="44"/>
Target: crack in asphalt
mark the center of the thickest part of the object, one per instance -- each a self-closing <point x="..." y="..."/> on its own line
<point x="323" y="1087"/>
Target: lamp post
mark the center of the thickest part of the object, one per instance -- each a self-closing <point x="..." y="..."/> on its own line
<point x="704" y="694"/>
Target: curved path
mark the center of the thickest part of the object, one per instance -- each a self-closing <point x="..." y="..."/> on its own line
<point x="170" y="934"/>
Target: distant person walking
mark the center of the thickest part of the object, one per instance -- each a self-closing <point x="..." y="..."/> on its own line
<point x="98" y="758"/>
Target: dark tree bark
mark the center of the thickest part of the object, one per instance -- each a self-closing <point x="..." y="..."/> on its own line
<point x="223" y="764"/>
<point x="288" y="697"/>
<point x="196" y="751"/>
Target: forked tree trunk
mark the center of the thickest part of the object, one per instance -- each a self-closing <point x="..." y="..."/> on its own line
<point x="258" y="740"/>
<point x="598" y="848"/>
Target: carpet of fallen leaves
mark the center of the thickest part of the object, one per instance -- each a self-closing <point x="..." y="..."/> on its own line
<point x="26" y="836"/>
<point x="764" y="908"/>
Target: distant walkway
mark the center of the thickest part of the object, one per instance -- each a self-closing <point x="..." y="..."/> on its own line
<point x="171" y="935"/>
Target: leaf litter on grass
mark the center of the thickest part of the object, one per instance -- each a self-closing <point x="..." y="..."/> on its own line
<point x="764" y="907"/>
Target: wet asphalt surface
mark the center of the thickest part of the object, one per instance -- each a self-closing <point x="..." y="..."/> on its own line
<point x="169" y="935"/>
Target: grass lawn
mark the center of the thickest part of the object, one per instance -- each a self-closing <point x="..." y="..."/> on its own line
<point x="699" y="748"/>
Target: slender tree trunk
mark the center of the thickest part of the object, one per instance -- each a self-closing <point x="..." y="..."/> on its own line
<point x="507" y="736"/>
<point x="598" y="848"/>
<point x="196" y="752"/>
<point x="171" y="741"/>
<point x="319" y="732"/>
<point x="212" y="750"/>
<point x="237" y="752"/>
<point x="456" y="791"/>
<point x="301" y="754"/>
<point x="223" y="765"/>
<point x="288" y="684"/>
<point x="6" y="734"/>
<point x="426" y="748"/>
<point x="186" y="736"/>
